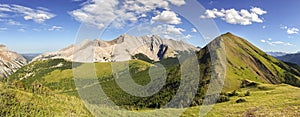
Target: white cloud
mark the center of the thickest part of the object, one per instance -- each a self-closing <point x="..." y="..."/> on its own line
<point x="43" y="8"/>
<point x="169" y="17"/>
<point x="177" y="2"/>
<point x="258" y="11"/>
<point x="13" y="23"/>
<point x="264" y="27"/>
<point x="101" y="12"/>
<point x="214" y="13"/>
<point x="55" y="28"/>
<point x="168" y="31"/>
<point x="22" y="30"/>
<point x="233" y="16"/>
<point x="37" y="15"/>
<point x="274" y="43"/>
<point x="289" y="30"/>
<point x="292" y="30"/>
<point x="194" y="30"/>
<point x="3" y="29"/>
<point x="283" y="27"/>
<point x="188" y="36"/>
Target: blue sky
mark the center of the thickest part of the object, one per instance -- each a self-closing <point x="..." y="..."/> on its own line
<point x="37" y="26"/>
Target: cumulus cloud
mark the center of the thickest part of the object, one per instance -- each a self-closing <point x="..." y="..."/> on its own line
<point x="274" y="43"/>
<point x="169" y="17"/>
<point x="168" y="31"/>
<point x="188" y="36"/>
<point x="194" y="30"/>
<point x="55" y="28"/>
<point x="92" y="12"/>
<point x="37" y="15"/>
<point x="177" y="2"/>
<point x="233" y="16"/>
<point x="292" y="30"/>
<point x="258" y="11"/>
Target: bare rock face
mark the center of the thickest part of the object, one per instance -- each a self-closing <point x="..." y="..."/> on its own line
<point x="120" y="49"/>
<point x="9" y="62"/>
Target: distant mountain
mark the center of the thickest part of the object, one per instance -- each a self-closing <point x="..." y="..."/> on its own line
<point x="244" y="62"/>
<point x="277" y="54"/>
<point x="292" y="58"/>
<point x="30" y="56"/>
<point x="9" y="61"/>
<point x="247" y="62"/>
<point x="120" y="49"/>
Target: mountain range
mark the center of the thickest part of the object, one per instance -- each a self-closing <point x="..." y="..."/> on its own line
<point x="244" y="64"/>
<point x="292" y="58"/>
<point x="121" y="49"/>
<point x="9" y="62"/>
<point x="277" y="54"/>
<point x="244" y="67"/>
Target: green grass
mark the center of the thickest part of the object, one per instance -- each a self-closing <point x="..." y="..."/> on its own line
<point x="14" y="102"/>
<point x="244" y="62"/>
<point x="264" y="100"/>
<point x="272" y="100"/>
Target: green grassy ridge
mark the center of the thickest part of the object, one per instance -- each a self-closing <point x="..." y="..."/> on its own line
<point x="55" y="74"/>
<point x="14" y="102"/>
<point x="61" y="81"/>
<point x="245" y="61"/>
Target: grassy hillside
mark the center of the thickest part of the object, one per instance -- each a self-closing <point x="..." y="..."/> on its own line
<point x="14" y="102"/>
<point x="60" y="80"/>
<point x="244" y="62"/>
<point x="264" y="100"/>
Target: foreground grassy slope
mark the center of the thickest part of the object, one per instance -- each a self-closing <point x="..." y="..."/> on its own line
<point x="264" y="100"/>
<point x="14" y="102"/>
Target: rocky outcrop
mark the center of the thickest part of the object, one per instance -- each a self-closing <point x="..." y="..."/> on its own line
<point x="120" y="49"/>
<point x="9" y="62"/>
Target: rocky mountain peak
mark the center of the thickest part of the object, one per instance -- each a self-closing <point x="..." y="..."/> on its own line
<point x="9" y="61"/>
<point x="2" y="47"/>
<point x="122" y="48"/>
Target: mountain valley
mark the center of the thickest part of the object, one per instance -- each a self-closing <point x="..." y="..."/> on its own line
<point x="244" y="67"/>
